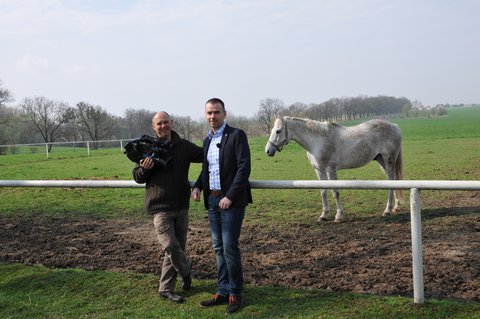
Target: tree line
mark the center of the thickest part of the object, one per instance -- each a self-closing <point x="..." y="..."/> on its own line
<point x="40" y="119"/>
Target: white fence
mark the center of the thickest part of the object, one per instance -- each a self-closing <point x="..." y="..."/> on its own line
<point x="84" y="146"/>
<point x="415" y="207"/>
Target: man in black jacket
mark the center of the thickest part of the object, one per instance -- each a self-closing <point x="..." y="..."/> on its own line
<point x="167" y="198"/>
<point x="226" y="190"/>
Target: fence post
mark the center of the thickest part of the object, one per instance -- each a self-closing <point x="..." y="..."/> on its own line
<point x="46" y="149"/>
<point x="88" y="149"/>
<point x="417" y="260"/>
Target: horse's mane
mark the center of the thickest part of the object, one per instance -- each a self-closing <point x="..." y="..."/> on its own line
<point x="315" y="126"/>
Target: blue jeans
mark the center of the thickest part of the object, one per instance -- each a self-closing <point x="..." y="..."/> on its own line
<point x="225" y="226"/>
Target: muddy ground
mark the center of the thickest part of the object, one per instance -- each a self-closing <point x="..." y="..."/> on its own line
<point x="366" y="255"/>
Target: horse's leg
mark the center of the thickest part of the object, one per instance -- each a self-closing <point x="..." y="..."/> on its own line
<point x="398" y="176"/>
<point x="389" y="169"/>
<point x="322" y="175"/>
<point x="332" y="175"/>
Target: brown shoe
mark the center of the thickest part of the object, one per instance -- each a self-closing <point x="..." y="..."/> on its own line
<point x="216" y="300"/>
<point x="235" y="302"/>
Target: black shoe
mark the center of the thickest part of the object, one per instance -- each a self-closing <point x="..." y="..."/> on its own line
<point x="187" y="281"/>
<point x="216" y="300"/>
<point x="172" y="297"/>
<point x="235" y="302"/>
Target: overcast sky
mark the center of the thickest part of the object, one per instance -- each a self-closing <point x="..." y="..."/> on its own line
<point x="174" y="55"/>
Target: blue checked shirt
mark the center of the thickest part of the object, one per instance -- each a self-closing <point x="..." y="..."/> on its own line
<point x="213" y="158"/>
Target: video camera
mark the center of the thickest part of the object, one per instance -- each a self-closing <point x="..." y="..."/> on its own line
<point x="148" y="146"/>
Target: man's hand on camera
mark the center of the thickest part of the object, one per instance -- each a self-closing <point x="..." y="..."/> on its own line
<point x="147" y="163"/>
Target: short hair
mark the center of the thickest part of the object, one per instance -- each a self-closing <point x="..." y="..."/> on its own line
<point x="216" y="100"/>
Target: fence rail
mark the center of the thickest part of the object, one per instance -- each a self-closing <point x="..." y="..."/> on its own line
<point x="415" y="206"/>
<point x="77" y="145"/>
<point x="266" y="184"/>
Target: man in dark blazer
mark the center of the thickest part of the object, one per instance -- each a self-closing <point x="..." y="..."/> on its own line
<point x="226" y="191"/>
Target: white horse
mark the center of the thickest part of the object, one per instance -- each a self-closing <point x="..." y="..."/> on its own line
<point x="331" y="147"/>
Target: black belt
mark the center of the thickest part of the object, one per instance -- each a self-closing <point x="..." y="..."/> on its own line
<point x="216" y="193"/>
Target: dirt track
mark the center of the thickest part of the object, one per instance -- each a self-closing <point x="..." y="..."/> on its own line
<point x="367" y="255"/>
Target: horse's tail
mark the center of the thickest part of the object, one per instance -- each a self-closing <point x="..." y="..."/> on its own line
<point x="399" y="175"/>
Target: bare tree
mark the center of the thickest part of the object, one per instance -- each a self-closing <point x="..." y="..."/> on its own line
<point x="269" y="109"/>
<point x="138" y="122"/>
<point x="48" y="116"/>
<point x="94" y="121"/>
<point x="17" y="129"/>
<point x="6" y="126"/>
<point x="184" y="126"/>
<point x="249" y="125"/>
<point x="5" y="95"/>
<point x="297" y="109"/>
<point x="5" y="115"/>
<point x="332" y="109"/>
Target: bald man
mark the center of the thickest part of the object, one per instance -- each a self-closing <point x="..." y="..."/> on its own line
<point x="167" y="199"/>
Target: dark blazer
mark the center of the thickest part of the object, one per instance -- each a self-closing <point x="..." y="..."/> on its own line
<point x="235" y="167"/>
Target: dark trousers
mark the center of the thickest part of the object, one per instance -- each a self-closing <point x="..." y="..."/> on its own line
<point x="225" y="226"/>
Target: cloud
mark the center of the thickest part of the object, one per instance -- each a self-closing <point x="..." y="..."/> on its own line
<point x="29" y="63"/>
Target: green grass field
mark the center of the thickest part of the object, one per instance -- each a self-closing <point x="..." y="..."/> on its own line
<point x="446" y="148"/>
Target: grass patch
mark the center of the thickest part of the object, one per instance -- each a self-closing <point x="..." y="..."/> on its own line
<point x="40" y="292"/>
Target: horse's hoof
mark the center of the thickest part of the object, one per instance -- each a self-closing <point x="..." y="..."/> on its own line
<point x="322" y="220"/>
<point x="386" y="214"/>
<point x="338" y="220"/>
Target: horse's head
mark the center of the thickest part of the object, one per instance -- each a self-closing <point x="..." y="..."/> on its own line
<point x="278" y="137"/>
